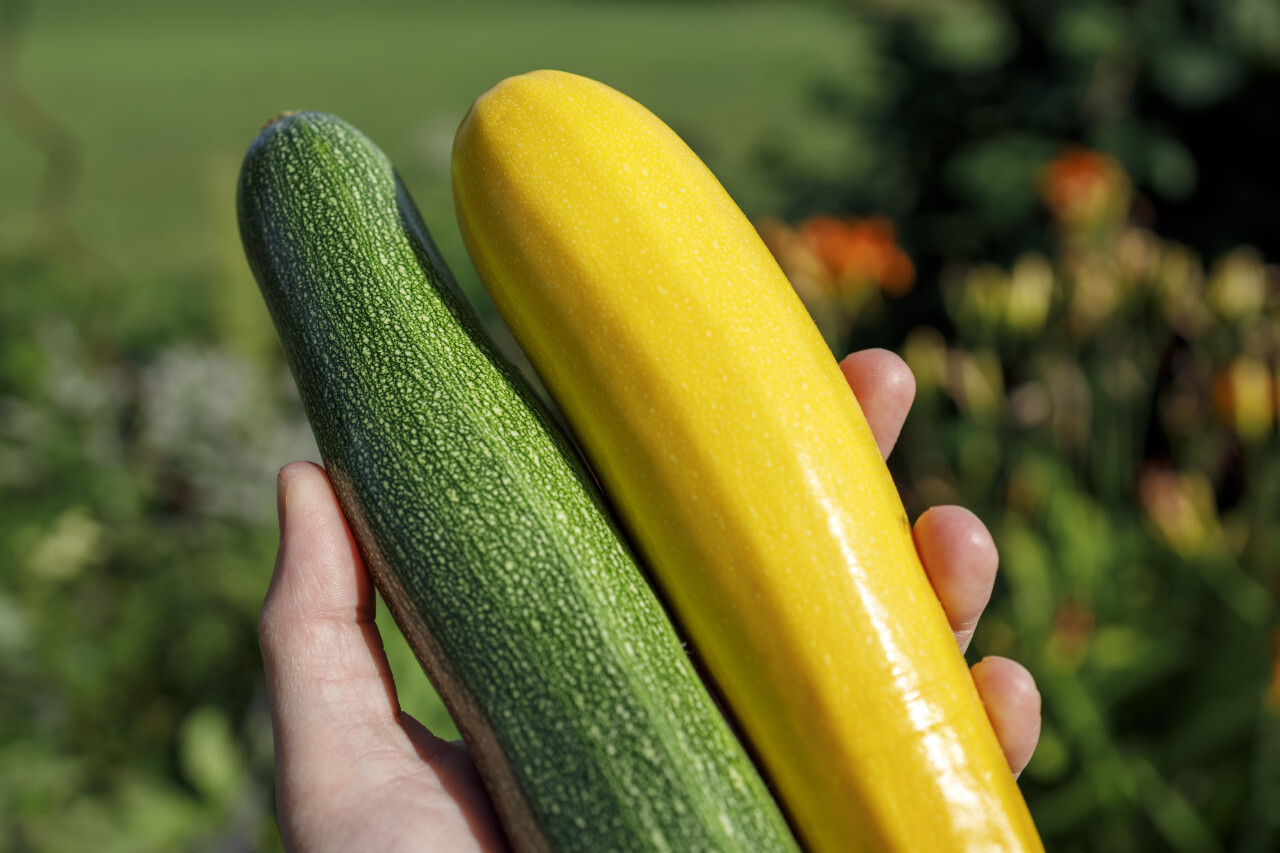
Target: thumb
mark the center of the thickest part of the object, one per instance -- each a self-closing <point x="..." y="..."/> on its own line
<point x="321" y="650"/>
<point x="333" y="703"/>
<point x="346" y="757"/>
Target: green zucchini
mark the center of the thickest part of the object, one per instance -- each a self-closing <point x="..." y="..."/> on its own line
<point x="482" y="529"/>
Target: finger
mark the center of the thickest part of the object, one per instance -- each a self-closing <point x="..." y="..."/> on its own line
<point x="1013" y="704"/>
<point x="960" y="558"/>
<point x="320" y="646"/>
<point x="327" y="679"/>
<point x="339" y="732"/>
<point x="884" y="387"/>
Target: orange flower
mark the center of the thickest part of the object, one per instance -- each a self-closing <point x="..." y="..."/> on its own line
<point x="1082" y="187"/>
<point x="859" y="252"/>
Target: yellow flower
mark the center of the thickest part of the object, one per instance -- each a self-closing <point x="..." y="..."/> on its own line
<point x="1182" y="509"/>
<point x="1238" y="284"/>
<point x="1244" y="395"/>
<point x="1030" y="294"/>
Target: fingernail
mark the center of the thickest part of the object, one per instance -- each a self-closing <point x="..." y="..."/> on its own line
<point x="282" y="491"/>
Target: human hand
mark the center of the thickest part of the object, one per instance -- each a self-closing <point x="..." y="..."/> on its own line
<point x="353" y="771"/>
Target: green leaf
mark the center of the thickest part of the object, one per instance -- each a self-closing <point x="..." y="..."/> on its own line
<point x="968" y="37"/>
<point x="210" y="757"/>
<point x="1195" y="75"/>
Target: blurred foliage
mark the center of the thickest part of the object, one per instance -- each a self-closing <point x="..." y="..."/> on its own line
<point x="953" y="106"/>
<point x="1017" y="196"/>
<point x="133" y="536"/>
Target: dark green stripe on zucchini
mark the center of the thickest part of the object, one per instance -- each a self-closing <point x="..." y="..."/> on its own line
<point x="483" y="531"/>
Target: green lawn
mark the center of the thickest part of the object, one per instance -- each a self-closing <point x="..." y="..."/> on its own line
<point x="164" y="102"/>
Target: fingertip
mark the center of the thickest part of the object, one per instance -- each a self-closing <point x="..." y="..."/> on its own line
<point x="1013" y="704"/>
<point x="318" y="572"/>
<point x="961" y="559"/>
<point x="296" y="476"/>
<point x="885" y="389"/>
<point x="958" y="531"/>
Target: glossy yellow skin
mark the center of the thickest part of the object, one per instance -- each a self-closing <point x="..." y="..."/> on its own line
<point x="725" y="434"/>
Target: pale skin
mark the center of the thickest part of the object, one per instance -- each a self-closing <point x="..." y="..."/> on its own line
<point x="353" y="771"/>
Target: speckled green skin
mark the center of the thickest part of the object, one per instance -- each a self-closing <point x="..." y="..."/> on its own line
<point x="481" y="527"/>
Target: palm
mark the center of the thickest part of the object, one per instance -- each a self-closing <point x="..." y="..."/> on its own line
<point x="401" y="788"/>
<point x="355" y="772"/>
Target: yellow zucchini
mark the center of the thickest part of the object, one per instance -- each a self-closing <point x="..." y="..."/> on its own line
<point x="726" y="436"/>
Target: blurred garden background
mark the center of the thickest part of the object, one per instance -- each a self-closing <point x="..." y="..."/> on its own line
<point x="1060" y="212"/>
